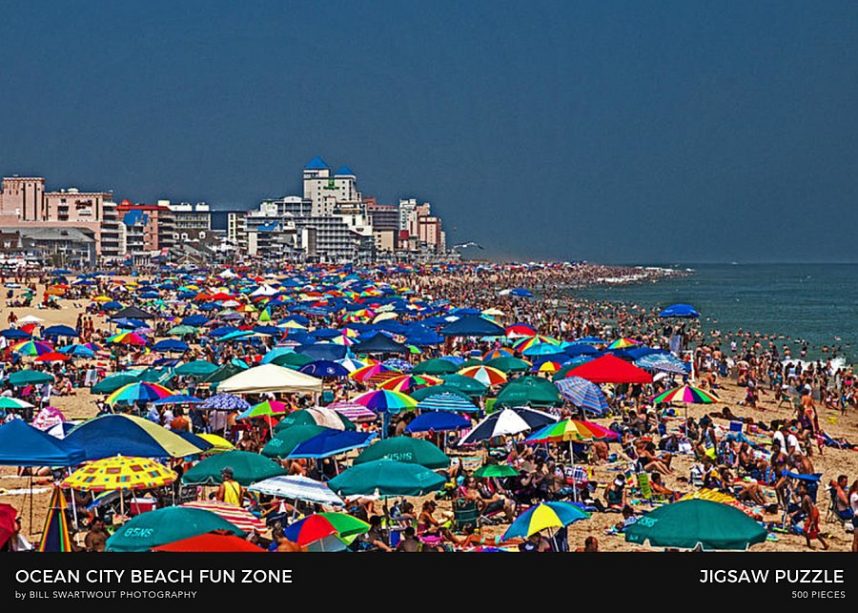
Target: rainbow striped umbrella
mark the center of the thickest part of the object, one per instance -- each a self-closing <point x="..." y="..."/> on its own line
<point x="33" y="348"/>
<point x="537" y="339"/>
<point x="372" y="370"/>
<point x="543" y="516"/>
<point x="407" y="383"/>
<point x="127" y="338"/>
<point x="500" y="352"/>
<point x="269" y="407"/>
<point x="484" y="374"/>
<point x="623" y="343"/>
<point x="687" y="394"/>
<point x="520" y="330"/>
<point x="386" y="400"/>
<point x="570" y="430"/>
<point x="142" y="391"/>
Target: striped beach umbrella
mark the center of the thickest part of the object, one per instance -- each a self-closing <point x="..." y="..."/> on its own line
<point x="687" y="394"/>
<point x="537" y="339"/>
<point x="386" y="400"/>
<point x="447" y="402"/>
<point x="570" y="430"/>
<point x="484" y="374"/>
<point x="545" y="515"/>
<point x="623" y="343"/>
<point x="142" y="391"/>
<point x="507" y="422"/>
<point x="584" y="394"/>
<point x="127" y="338"/>
<point x="353" y="411"/>
<point x="32" y="348"/>
<point x="268" y="407"/>
<point x="239" y="517"/>
<point x="407" y="383"/>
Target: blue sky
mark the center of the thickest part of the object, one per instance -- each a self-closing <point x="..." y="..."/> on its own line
<point x="611" y="131"/>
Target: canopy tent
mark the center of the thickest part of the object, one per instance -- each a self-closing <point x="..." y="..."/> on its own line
<point x="270" y="378"/>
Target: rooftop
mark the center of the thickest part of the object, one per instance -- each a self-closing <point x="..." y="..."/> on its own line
<point x="317" y="163"/>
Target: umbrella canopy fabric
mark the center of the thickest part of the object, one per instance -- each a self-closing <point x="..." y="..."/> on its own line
<point x="680" y="310"/>
<point x="379" y="343"/>
<point x="382" y="401"/>
<point x="664" y="362"/>
<point x="197" y="368"/>
<point x="324" y="368"/>
<point x="696" y="523"/>
<point x="610" y="369"/>
<point x="499" y="471"/>
<point x="267" y="407"/>
<point x="282" y="444"/>
<point x="571" y="430"/>
<point x="270" y="378"/>
<point x="141" y="391"/>
<point x="437" y="421"/>
<point x="472" y="325"/>
<point x="23" y="445"/>
<point x="8" y="514"/>
<point x="386" y="478"/>
<point x="296" y="487"/>
<point x="544" y="516"/>
<point x="447" y="402"/>
<point x="239" y="517"/>
<point x="168" y="525"/>
<point x="322" y="525"/>
<point x="528" y="390"/>
<point x="352" y="411"/>
<point x="506" y="422"/>
<point x="508" y="364"/>
<point x="112" y="383"/>
<point x="210" y="543"/>
<point x="246" y="467"/>
<point x="21" y="378"/>
<point x="584" y="394"/>
<point x="128" y="435"/>
<point x="330" y="443"/>
<point x="486" y="375"/>
<point x="687" y="394"/>
<point x="224" y="402"/>
<point x="405" y="449"/>
<point x="435" y="366"/>
<point x="120" y="473"/>
<point x="325" y="417"/>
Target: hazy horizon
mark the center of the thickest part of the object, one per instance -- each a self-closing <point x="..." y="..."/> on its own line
<point x="611" y="132"/>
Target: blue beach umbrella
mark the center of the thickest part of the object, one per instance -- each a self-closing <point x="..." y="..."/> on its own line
<point x="437" y="421"/>
<point x="583" y="393"/>
<point x="331" y="443"/>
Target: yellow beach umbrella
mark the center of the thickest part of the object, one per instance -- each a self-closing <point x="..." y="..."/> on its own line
<point x="220" y="443"/>
<point x="120" y="473"/>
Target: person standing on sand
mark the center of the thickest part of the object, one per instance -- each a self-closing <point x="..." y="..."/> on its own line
<point x="230" y="491"/>
<point x="811" y="522"/>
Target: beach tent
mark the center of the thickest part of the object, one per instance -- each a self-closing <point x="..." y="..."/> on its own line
<point x="690" y="524"/>
<point x="128" y="435"/>
<point x="610" y="369"/>
<point x="680" y="310"/>
<point x="168" y="525"/>
<point x="270" y="378"/>
<point x="23" y="445"/>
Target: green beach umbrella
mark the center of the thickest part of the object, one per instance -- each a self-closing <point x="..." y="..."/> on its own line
<point x="247" y="468"/>
<point x="696" y="523"/>
<point x="306" y="417"/>
<point x="223" y="373"/>
<point x="290" y="437"/>
<point x="181" y="330"/>
<point x="405" y="449"/>
<point x="292" y="360"/>
<point x="197" y="368"/>
<point x="435" y="366"/>
<point x="167" y="525"/>
<point x="509" y="364"/>
<point x="530" y="391"/>
<point x="495" y="471"/>
<point x="29" y="377"/>
<point x="468" y="385"/>
<point x="110" y="384"/>
<point x="386" y="478"/>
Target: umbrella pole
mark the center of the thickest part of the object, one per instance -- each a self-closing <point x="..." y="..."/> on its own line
<point x="31" y="500"/>
<point x="572" y="462"/>
<point x="74" y="509"/>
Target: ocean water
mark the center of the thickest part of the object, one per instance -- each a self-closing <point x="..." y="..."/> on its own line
<point x="817" y="303"/>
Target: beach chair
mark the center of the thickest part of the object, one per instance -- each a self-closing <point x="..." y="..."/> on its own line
<point x="645" y="488"/>
<point x="465" y="513"/>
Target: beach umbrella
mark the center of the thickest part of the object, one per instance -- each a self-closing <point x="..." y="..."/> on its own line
<point x="24" y="445"/>
<point x="398" y="364"/>
<point x="325" y="417"/>
<point x="435" y="366"/>
<point x="610" y="369"/>
<point x="218" y="443"/>
<point x="386" y="478"/>
<point x="571" y="430"/>
<point x="382" y="401"/>
<point x="142" y="391"/>
<point x="548" y="366"/>
<point x="370" y="371"/>
<point x="223" y="373"/>
<point x="466" y="385"/>
<point x="247" y="468"/>
<point x="197" y="368"/>
<point x="78" y="351"/>
<point x="687" y="394"/>
<point x="379" y="342"/>
<point x="120" y="473"/>
<point x="181" y="330"/>
<point x="409" y="383"/>
<point x="543" y="516"/>
<point x="520" y="330"/>
<point x="285" y="440"/>
<point x="543" y="350"/>
<point x="495" y="471"/>
<point x="296" y="487"/>
<point x="623" y="343"/>
<point x="53" y="356"/>
<point x="508" y="364"/>
<point x="330" y="443"/>
<point x="447" y="402"/>
<point x="210" y="543"/>
<point x="47" y="418"/>
<point x="437" y="421"/>
<point x="324" y="368"/>
<point x="239" y="517"/>
<point x="127" y="338"/>
<point x="690" y="524"/>
<point x="584" y="394"/>
<point x="112" y="383"/>
<point x="291" y="360"/>
<point x="60" y="330"/>
<point x="506" y="422"/>
<point x="472" y="325"/>
<point x="225" y="402"/>
<point x="32" y="348"/>
<point x="169" y="345"/>
<point x="7" y="402"/>
<point x="528" y="390"/>
<point x="351" y="364"/>
<point x="664" y="362"/>
<point x="680" y="310"/>
<point x="486" y="375"/>
<point x="536" y="341"/>
<point x="268" y="407"/>
<point x="405" y="449"/>
<point x="29" y="377"/>
<point x="14" y="334"/>
<point x="177" y="399"/>
<point x="498" y="352"/>
<point x="128" y="435"/>
<point x="318" y="529"/>
<point x="167" y="525"/>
